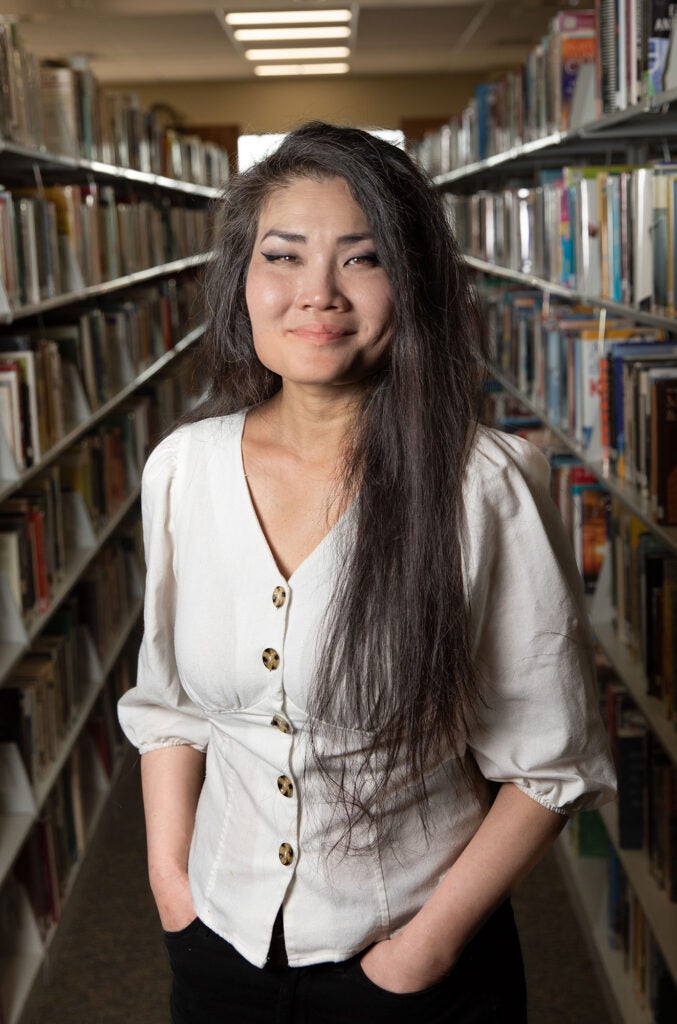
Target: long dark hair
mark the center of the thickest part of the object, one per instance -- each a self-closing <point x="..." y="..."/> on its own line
<point x="396" y="658"/>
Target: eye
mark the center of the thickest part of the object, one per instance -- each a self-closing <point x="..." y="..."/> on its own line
<point x="369" y="259"/>
<point x="279" y="257"/>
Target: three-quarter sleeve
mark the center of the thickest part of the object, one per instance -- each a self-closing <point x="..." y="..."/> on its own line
<point x="157" y="712"/>
<point x="539" y="725"/>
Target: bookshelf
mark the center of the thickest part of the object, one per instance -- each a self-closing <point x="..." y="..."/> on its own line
<point x="652" y="118"/>
<point x="10" y="316"/>
<point x="107" y="338"/>
<point x="537" y="168"/>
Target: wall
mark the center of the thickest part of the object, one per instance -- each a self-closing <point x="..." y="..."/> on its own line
<point x="276" y="105"/>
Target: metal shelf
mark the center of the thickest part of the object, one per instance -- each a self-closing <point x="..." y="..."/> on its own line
<point x="626" y="493"/>
<point x="644" y="120"/>
<point x="25" y="157"/>
<point x="628" y="668"/>
<point x="95" y="290"/>
<point x="9" y="487"/>
<point x="45" y="784"/>
<point x="78" y="560"/>
<point x="530" y="281"/>
<point x="660" y="913"/>
<point x="587" y="882"/>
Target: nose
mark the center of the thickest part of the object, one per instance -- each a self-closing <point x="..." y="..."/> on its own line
<point x="320" y="287"/>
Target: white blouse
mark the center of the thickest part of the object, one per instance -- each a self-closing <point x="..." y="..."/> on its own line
<point x="227" y="658"/>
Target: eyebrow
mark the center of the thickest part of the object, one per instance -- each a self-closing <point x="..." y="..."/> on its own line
<point x="287" y="236"/>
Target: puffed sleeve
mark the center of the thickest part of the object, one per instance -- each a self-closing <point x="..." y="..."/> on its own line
<point x="539" y="725"/>
<point x="157" y="712"/>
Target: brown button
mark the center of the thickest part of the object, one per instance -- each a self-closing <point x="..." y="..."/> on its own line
<point x="285" y="785"/>
<point x="281" y="723"/>
<point x="279" y="596"/>
<point x="271" y="659"/>
<point x="286" y="854"/>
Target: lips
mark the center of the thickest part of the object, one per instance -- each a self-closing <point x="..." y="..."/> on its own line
<point x="320" y="334"/>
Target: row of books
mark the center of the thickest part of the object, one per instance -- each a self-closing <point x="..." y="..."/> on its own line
<point x="643" y="571"/>
<point x="64" y="238"/>
<point x="582" y="502"/>
<point x="644" y="600"/>
<point x="58" y="106"/>
<point x="629" y="933"/>
<point x="606" y="231"/>
<point x="634" y="51"/>
<point x="57" y="841"/>
<point x="53" y="378"/>
<point x="590" y="63"/>
<point x="612" y="390"/>
<point x="44" y="691"/>
<point x="583" y="506"/>
<point x="39" y="525"/>
<point x="61" y="509"/>
<point x="647" y="790"/>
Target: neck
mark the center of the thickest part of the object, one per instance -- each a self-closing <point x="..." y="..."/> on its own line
<point x="313" y="422"/>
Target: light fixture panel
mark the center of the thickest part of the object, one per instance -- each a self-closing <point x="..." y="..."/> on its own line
<point x="301" y="53"/>
<point x="264" y="35"/>
<point x="300" y="70"/>
<point x="288" y="17"/>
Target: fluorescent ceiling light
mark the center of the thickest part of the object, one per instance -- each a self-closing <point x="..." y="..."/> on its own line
<point x="262" y="35"/>
<point x="300" y="53"/>
<point x="301" y="69"/>
<point x="288" y="17"/>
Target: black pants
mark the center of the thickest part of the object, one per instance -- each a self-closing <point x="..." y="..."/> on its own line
<point x="213" y="984"/>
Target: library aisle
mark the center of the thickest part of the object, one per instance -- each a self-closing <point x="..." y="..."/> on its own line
<point x="109" y="964"/>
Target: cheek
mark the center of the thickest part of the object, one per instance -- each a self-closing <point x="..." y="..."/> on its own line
<point x="265" y="296"/>
<point x="379" y="310"/>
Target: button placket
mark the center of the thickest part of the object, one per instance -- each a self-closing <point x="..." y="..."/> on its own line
<point x="271" y="657"/>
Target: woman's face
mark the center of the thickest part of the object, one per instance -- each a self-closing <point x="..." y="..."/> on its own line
<point x="320" y="304"/>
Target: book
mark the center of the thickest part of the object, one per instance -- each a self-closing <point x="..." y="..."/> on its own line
<point x="11" y="410"/>
<point x="58" y="108"/>
<point x="572" y="44"/>
<point x="10" y="562"/>
<point x="631" y="749"/>
<point x="659" y="20"/>
<point x="663" y="434"/>
<point x="26" y="364"/>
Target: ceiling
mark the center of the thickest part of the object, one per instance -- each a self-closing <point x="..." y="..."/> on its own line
<point x="181" y="40"/>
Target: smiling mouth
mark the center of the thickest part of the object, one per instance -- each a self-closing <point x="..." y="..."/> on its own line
<point x="318" y="335"/>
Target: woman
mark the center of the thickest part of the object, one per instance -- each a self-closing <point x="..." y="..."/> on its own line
<point x="365" y="700"/>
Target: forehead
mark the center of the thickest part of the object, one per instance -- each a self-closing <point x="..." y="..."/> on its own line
<point x="312" y="203"/>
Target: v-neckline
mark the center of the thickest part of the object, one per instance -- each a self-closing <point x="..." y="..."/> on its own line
<point x="254" y="518"/>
